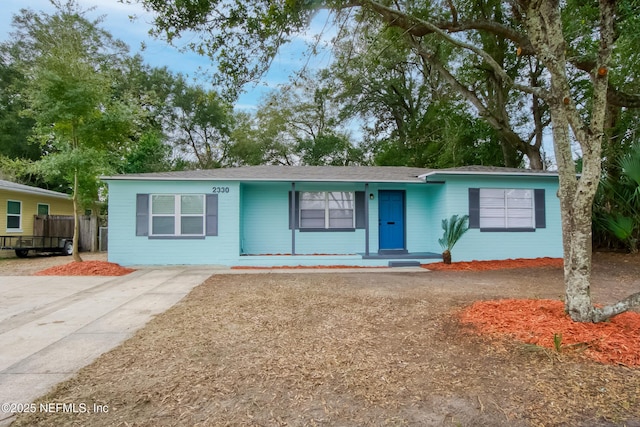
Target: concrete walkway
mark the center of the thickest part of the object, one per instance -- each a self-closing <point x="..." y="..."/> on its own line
<point x="52" y="326"/>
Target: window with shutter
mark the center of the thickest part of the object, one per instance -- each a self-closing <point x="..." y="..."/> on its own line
<point x="506" y="209"/>
<point x="327" y="210"/>
<point x="176" y="215"/>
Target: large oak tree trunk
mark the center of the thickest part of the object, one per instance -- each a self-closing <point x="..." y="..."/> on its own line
<point x="576" y="193"/>
<point x="575" y="204"/>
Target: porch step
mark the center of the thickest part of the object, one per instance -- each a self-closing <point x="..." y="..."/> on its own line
<point x="393" y="252"/>
<point x="404" y="263"/>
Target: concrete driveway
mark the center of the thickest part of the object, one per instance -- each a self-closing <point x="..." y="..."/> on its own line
<point x="51" y="326"/>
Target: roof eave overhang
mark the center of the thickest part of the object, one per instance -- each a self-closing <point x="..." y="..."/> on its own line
<point x="139" y="178"/>
<point x="495" y="173"/>
<point x="38" y="193"/>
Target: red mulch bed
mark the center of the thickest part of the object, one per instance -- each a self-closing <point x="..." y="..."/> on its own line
<point x="86" y="268"/>
<point x="495" y="265"/>
<point x="614" y="342"/>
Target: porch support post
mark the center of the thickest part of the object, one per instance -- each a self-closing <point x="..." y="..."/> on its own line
<point x="293" y="218"/>
<point x="366" y="219"/>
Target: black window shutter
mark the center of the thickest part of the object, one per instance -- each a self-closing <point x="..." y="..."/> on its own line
<point x="360" y="201"/>
<point x="538" y="200"/>
<point x="474" y="208"/>
<point x="296" y="219"/>
<point x="142" y="214"/>
<point x="212" y="215"/>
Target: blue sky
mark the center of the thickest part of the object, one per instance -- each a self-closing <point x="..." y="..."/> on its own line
<point x="159" y="54"/>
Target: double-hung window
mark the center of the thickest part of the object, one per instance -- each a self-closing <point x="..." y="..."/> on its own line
<point x="14" y="215"/>
<point x="507" y="209"/>
<point x="327" y="210"/>
<point x="177" y="215"/>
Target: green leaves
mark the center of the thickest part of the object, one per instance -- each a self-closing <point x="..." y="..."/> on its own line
<point x="454" y="228"/>
<point x="149" y="154"/>
<point x="201" y="124"/>
<point x="630" y="165"/>
<point x="617" y="207"/>
<point x="87" y="163"/>
<point x="624" y="228"/>
<point x="621" y="226"/>
<point x="240" y="37"/>
<point x="68" y="63"/>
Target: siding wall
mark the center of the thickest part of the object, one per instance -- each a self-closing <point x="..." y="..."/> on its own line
<point x="265" y="220"/>
<point x="57" y="206"/>
<point x="125" y="248"/>
<point x="482" y="245"/>
<point x="254" y="220"/>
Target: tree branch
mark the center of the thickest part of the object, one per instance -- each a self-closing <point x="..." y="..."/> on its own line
<point x="503" y="129"/>
<point x="622" y="99"/>
<point x="604" y="313"/>
<point x="614" y="96"/>
<point x="416" y="26"/>
<point x="420" y="28"/>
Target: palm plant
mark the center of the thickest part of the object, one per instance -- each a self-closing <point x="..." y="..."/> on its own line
<point x="617" y="211"/>
<point x="623" y="227"/>
<point x="454" y="228"/>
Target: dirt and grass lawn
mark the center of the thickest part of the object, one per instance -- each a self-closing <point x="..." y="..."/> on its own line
<point x="353" y="349"/>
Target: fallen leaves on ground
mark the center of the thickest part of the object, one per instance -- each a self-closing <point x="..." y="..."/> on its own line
<point x="544" y="323"/>
<point x="86" y="268"/>
<point x="495" y="265"/>
<point x="369" y="349"/>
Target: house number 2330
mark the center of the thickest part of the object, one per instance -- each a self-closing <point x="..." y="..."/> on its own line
<point x="219" y="190"/>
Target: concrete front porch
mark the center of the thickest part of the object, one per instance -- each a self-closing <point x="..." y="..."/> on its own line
<point x="403" y="255"/>
<point x="347" y="260"/>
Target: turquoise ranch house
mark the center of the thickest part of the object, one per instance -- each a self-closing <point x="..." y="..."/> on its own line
<point x="267" y="216"/>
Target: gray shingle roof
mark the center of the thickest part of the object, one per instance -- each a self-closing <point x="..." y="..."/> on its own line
<point x="290" y="173"/>
<point x="26" y="189"/>
<point x="321" y="173"/>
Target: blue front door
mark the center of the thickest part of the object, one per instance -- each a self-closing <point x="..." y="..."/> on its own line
<point x="391" y="219"/>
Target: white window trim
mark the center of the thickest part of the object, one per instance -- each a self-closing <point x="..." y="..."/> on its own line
<point x="43" y="204"/>
<point x="326" y="210"/>
<point x="14" y="230"/>
<point x="506" y="208"/>
<point x="177" y="215"/>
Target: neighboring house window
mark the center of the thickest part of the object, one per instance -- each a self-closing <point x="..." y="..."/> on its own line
<point x="177" y="215"/>
<point x="180" y="216"/>
<point x="327" y="209"/>
<point x="43" y="209"/>
<point x="14" y="215"/>
<point x="506" y="209"/>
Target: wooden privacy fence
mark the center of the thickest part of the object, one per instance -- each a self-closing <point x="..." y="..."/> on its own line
<point x="62" y="226"/>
